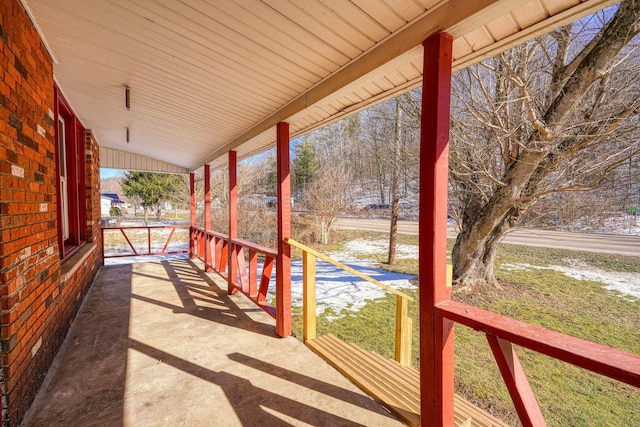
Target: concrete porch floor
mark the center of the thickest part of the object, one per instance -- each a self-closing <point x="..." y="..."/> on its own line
<point x="162" y="344"/>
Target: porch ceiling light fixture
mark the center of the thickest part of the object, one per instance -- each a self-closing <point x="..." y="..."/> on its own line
<point x="127" y="97"/>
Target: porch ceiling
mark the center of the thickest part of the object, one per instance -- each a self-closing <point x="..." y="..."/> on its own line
<point x="210" y="76"/>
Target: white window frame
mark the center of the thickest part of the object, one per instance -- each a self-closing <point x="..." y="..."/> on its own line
<point x="63" y="173"/>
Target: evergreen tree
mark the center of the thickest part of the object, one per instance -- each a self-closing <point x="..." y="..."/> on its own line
<point x="150" y="188"/>
<point x="305" y="165"/>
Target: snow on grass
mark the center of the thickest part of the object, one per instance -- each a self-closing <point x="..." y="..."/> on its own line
<point x="627" y="284"/>
<point x="363" y="247"/>
<point x="338" y="290"/>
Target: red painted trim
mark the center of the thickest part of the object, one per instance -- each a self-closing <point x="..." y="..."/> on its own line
<point x="611" y="362"/>
<point x="134" y="251"/>
<point x="283" y="263"/>
<point x="207" y="215"/>
<point x="265" y="279"/>
<point x="76" y="179"/>
<point x="218" y="252"/>
<point x="192" y="205"/>
<point x="516" y="381"/>
<point x="242" y="270"/>
<point x="436" y="334"/>
<point x="233" y="222"/>
<point x="253" y="273"/>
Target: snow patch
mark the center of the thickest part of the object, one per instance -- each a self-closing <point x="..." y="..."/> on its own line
<point x="374" y="247"/>
<point x="338" y="290"/>
<point x="626" y="283"/>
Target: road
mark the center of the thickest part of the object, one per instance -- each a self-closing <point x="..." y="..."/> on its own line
<point x="599" y="243"/>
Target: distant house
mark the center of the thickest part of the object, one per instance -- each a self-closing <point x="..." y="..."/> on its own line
<point x="115" y="200"/>
<point x="105" y="206"/>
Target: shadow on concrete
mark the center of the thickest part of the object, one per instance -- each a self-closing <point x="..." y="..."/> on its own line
<point x="164" y="344"/>
<point x="249" y="401"/>
<point x="310" y="383"/>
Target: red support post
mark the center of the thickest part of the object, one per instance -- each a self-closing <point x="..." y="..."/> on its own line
<point x="192" y="203"/>
<point x="207" y="216"/>
<point x="436" y="332"/>
<point x="283" y="263"/>
<point x="233" y="222"/>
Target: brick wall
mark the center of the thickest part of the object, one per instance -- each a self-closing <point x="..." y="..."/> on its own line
<point x="39" y="295"/>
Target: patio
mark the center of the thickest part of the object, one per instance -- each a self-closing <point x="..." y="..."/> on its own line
<point x="162" y="343"/>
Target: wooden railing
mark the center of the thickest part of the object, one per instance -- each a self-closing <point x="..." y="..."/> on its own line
<point x="213" y="249"/>
<point x="502" y="332"/>
<point x="149" y="251"/>
<point x="403" y="322"/>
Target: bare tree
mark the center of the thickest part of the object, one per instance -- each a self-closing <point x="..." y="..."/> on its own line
<point x="395" y="184"/>
<point x="558" y="114"/>
<point x="327" y="196"/>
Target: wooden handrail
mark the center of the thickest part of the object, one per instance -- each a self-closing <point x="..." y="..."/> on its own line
<point x="346" y="268"/>
<point x="403" y="332"/>
<point x="607" y="361"/>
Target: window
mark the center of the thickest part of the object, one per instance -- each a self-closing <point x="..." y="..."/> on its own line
<point x="62" y="174"/>
<point x="70" y="178"/>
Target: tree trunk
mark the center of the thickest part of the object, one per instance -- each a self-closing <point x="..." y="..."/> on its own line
<point x="473" y="259"/>
<point x="395" y="188"/>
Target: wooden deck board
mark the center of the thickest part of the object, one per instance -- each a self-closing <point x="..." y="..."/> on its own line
<point x="395" y="386"/>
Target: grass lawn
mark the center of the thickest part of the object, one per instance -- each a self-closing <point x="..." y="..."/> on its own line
<point x="568" y="396"/>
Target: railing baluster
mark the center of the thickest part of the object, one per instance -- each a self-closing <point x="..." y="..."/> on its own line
<point x="209" y="239"/>
<point x="129" y="242"/>
<point x="253" y="273"/>
<point x="223" y="258"/>
<point x="242" y="269"/>
<point x="218" y="245"/>
<point x="308" y="296"/>
<point x="516" y="381"/>
<point x="403" y="331"/>
<point x="149" y="229"/>
<point x="266" y="278"/>
<point x="164" y="248"/>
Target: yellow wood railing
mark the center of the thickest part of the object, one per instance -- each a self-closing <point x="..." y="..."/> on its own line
<point x="403" y="322"/>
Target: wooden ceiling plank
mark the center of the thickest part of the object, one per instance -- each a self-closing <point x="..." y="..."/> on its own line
<point x="406" y="9"/>
<point x="196" y="50"/>
<point x="529" y="13"/>
<point x="355" y="16"/>
<point x="456" y="17"/>
<point x="263" y="36"/>
<point x="335" y="21"/>
<point x="382" y="13"/>
<point x="315" y="26"/>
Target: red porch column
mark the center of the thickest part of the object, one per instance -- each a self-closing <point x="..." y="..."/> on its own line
<point x="436" y="334"/>
<point x="207" y="217"/>
<point x="192" y="203"/>
<point x="233" y="222"/>
<point x="283" y="262"/>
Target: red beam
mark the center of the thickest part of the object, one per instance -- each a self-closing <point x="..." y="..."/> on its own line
<point x="283" y="263"/>
<point x="516" y="381"/>
<point x="192" y="204"/>
<point x="608" y="361"/>
<point x="233" y="222"/>
<point x="436" y="333"/>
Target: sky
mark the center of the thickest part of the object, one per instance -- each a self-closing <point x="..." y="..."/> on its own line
<point x="110" y="173"/>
